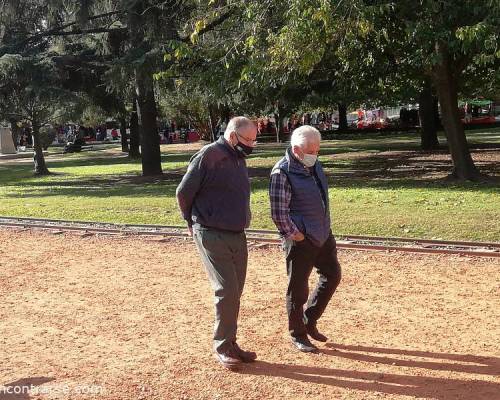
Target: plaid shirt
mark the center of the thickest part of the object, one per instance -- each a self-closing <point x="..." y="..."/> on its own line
<point x="280" y="194"/>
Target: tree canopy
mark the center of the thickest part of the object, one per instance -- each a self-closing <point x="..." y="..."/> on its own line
<point x="127" y="57"/>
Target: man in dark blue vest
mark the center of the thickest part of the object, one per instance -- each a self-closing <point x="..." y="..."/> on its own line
<point x="301" y="211"/>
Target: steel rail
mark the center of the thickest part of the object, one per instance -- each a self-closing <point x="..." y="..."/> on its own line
<point x="355" y="238"/>
<point x="353" y="242"/>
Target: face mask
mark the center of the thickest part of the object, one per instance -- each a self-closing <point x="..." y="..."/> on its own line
<point x="309" y="160"/>
<point x="243" y="150"/>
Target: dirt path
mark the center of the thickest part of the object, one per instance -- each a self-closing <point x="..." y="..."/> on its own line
<point x="130" y="319"/>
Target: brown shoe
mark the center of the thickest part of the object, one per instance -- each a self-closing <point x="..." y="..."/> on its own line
<point x="245" y="356"/>
<point x="315" y="334"/>
<point x="229" y="358"/>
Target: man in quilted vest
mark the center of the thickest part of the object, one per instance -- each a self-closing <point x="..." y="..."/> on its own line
<point x="301" y="211"/>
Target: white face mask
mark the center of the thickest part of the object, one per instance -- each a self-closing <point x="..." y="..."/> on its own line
<point x="309" y="160"/>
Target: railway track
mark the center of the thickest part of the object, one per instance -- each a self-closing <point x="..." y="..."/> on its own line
<point x="429" y="246"/>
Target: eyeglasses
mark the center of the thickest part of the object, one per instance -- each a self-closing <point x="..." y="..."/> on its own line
<point x="250" y="142"/>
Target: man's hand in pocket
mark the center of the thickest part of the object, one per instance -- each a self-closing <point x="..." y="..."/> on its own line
<point x="298" y="237"/>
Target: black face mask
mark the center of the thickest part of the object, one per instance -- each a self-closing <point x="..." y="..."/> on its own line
<point x="242" y="149"/>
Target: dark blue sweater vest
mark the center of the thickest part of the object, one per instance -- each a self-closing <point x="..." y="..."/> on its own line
<point x="308" y="211"/>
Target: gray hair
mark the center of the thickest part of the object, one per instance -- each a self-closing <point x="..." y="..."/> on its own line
<point x="237" y="124"/>
<point x="304" y="134"/>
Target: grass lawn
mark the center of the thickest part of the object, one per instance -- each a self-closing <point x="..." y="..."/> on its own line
<point x="379" y="185"/>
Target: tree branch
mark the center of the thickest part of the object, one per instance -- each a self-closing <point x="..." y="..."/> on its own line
<point x="86" y="31"/>
<point x="212" y="25"/>
<point x="55" y="31"/>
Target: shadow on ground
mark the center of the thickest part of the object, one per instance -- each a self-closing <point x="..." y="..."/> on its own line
<point x="412" y="167"/>
<point x="20" y="389"/>
<point x="395" y="384"/>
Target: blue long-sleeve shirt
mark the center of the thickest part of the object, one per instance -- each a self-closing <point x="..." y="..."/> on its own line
<point x="215" y="191"/>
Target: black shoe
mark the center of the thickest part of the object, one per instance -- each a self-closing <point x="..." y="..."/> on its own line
<point x="245" y="356"/>
<point x="315" y="334"/>
<point x="228" y="358"/>
<point x="303" y="344"/>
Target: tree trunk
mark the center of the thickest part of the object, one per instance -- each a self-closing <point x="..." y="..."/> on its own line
<point x="282" y="112"/>
<point x="342" y="117"/>
<point x="225" y="113"/>
<point x="15" y="131"/>
<point x="134" y="134"/>
<point x="280" y="123"/>
<point x="38" y="158"/>
<point x="277" y="121"/>
<point x="437" y="117"/>
<point x="123" y="131"/>
<point x="145" y="98"/>
<point x="428" y="128"/>
<point x="146" y="114"/>
<point x="446" y="86"/>
<point x="212" y="119"/>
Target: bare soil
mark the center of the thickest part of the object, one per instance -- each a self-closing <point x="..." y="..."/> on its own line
<point x="131" y="318"/>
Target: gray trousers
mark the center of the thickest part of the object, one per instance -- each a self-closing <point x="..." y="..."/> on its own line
<point x="225" y="257"/>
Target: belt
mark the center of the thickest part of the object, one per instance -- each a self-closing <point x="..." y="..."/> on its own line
<point x="198" y="226"/>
